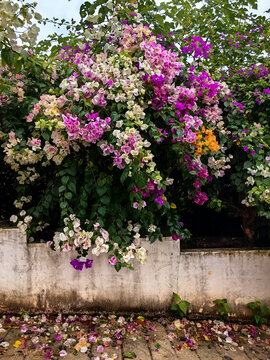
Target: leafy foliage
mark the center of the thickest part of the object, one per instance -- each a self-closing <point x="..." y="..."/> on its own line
<point x="223" y="308"/>
<point x="179" y="305"/>
<point x="261" y="312"/>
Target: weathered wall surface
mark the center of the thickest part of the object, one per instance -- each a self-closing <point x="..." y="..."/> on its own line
<point x="34" y="278"/>
<point x="240" y="276"/>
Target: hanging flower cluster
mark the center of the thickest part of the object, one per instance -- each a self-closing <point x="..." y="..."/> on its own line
<point x="197" y="46"/>
<point x="98" y="140"/>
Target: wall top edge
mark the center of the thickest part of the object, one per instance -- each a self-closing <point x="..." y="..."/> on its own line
<point x="260" y="251"/>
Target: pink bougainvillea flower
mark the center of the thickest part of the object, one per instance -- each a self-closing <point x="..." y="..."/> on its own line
<point x="118" y="336"/>
<point x="100" y="349"/>
<point x="58" y="337"/>
<point x="159" y="200"/>
<point x="176" y="237"/>
<point x="47" y="354"/>
<point x="92" y="339"/>
<point x="113" y="260"/>
<point x="200" y="198"/>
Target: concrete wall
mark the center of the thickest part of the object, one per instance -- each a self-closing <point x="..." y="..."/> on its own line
<point x="240" y="276"/>
<point x="36" y="279"/>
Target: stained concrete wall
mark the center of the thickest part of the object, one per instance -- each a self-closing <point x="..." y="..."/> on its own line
<point x="240" y="276"/>
<point x="36" y="279"/>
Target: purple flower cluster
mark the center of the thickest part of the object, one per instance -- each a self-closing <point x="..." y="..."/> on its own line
<point x="150" y="189"/>
<point x="78" y="265"/>
<point x="176" y="237"/>
<point x="201" y="173"/>
<point x="262" y="95"/>
<point x="252" y="151"/>
<point x="198" y="46"/>
<point x="160" y="201"/>
<point x="205" y="84"/>
<point x="157" y="80"/>
<point x="160" y="135"/>
<point x="259" y="71"/>
<point x="239" y="106"/>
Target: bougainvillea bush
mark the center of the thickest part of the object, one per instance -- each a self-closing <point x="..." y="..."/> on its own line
<point x="126" y="133"/>
<point x="247" y="116"/>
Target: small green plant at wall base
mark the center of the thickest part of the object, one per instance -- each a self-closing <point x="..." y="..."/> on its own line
<point x="179" y="305"/>
<point x="223" y="308"/>
<point x="261" y="312"/>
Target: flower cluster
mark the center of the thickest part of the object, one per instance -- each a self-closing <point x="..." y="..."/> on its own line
<point x="248" y="110"/>
<point x="90" y="132"/>
<point x="15" y="21"/>
<point x="206" y="140"/>
<point x="99" y="144"/>
<point x="197" y="46"/>
<point x="12" y="84"/>
<point x="261" y="96"/>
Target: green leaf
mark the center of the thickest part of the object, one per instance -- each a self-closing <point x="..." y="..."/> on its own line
<point x="258" y="319"/>
<point x="183" y="307"/>
<point x="72" y="186"/>
<point x="71" y="171"/>
<point x="174" y="307"/>
<point x="68" y="195"/>
<point x="65" y="180"/>
<point x="218" y="301"/>
<point x="105" y="200"/>
<point x="124" y="175"/>
<point x="101" y="190"/>
<point x="46" y="136"/>
<point x="63" y="205"/>
<point x="179" y="133"/>
<point x="117" y="240"/>
<point x="115" y="116"/>
<point x="141" y="179"/>
<point x="24" y="54"/>
<point x="176" y="298"/>
<point x="102" y="211"/>
<point x="252" y="305"/>
<point x="129" y="355"/>
<point x="62" y="188"/>
<point x="7" y="56"/>
<point x="101" y="181"/>
<point x="18" y="66"/>
<point x="227" y="308"/>
<point x="265" y="310"/>
<point x="118" y="266"/>
<point x="119" y="223"/>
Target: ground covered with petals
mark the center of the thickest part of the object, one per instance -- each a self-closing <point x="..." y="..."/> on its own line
<point x="108" y="337"/>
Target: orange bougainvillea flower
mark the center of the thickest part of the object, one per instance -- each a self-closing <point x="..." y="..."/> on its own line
<point x="207" y="141"/>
